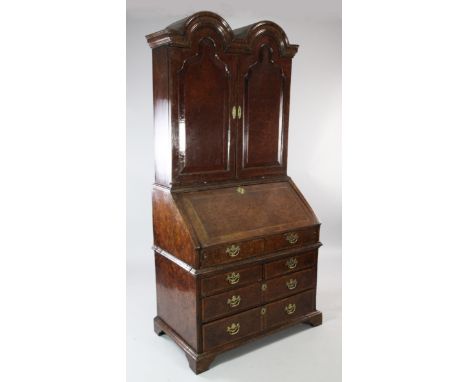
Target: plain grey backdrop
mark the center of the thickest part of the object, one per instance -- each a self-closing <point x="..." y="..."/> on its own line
<point x="314" y="163"/>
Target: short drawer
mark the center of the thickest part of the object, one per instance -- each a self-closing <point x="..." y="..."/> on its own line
<point x="230" y="302"/>
<point x="290" y="264"/>
<point x="292" y="239"/>
<point x="230" y="252"/>
<point x="289" y="284"/>
<point x="230" y="329"/>
<point x="229" y="280"/>
<point x="289" y="308"/>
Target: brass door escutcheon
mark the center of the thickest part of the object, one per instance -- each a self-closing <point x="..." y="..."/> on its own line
<point x="239" y="112"/>
<point x="233" y="278"/>
<point x="240" y="190"/>
<point x="290" y="308"/>
<point x="233" y="250"/>
<point x="263" y="311"/>
<point x="233" y="112"/>
<point x="233" y="329"/>
<point x="264" y="287"/>
<point x="292" y="262"/>
<point x="234" y="301"/>
<point x="292" y="237"/>
<point x="291" y="284"/>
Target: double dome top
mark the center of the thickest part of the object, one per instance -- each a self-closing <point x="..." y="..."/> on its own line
<point x="239" y="40"/>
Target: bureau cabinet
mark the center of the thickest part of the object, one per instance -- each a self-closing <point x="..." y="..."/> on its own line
<point x="235" y="242"/>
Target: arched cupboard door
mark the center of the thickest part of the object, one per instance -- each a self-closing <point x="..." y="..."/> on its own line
<point x="263" y="89"/>
<point x="203" y="89"/>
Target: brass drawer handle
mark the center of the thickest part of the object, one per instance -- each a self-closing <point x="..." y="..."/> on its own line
<point x="290" y="309"/>
<point x="233" y="329"/>
<point x="233" y="278"/>
<point x="233" y="250"/>
<point x="291" y="284"/>
<point x="292" y="237"/>
<point x="234" y="301"/>
<point x="292" y="262"/>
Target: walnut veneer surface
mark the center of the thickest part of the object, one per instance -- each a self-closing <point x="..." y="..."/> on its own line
<point x="236" y="243"/>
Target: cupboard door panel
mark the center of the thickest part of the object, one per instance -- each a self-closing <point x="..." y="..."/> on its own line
<point x="262" y="108"/>
<point x="264" y="93"/>
<point x="204" y="98"/>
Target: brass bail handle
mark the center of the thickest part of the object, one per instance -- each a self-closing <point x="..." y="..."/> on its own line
<point x="290" y="308"/>
<point x="291" y="263"/>
<point x="233" y="329"/>
<point x="234" y="301"/>
<point x="233" y="278"/>
<point x="292" y="237"/>
<point x="233" y="250"/>
<point x="291" y="284"/>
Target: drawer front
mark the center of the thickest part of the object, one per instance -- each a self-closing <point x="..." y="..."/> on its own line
<point x="229" y="280"/>
<point x="230" y="302"/>
<point x="289" y="284"/>
<point x="289" y="308"/>
<point x="291" y="239"/>
<point x="231" y="252"/>
<point x="290" y="264"/>
<point x="231" y="329"/>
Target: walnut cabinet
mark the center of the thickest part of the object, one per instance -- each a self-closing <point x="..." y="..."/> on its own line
<point x="235" y="241"/>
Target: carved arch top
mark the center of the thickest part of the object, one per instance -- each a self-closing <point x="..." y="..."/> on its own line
<point x="241" y="40"/>
<point x="245" y="37"/>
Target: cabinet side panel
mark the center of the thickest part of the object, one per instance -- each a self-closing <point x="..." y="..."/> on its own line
<point x="293" y="185"/>
<point x="176" y="299"/>
<point x="162" y="126"/>
<point x="170" y="230"/>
